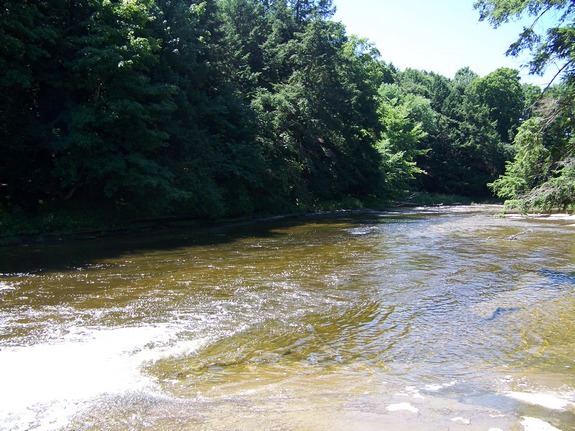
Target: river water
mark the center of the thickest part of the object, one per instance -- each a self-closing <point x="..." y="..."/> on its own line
<point x="450" y="318"/>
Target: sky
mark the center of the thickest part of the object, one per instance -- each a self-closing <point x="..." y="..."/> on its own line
<point x="439" y="36"/>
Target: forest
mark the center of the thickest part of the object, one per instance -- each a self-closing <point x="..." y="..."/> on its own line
<point x="114" y="111"/>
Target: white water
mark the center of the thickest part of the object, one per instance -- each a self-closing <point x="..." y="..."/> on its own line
<point x="44" y="385"/>
<point x="421" y="320"/>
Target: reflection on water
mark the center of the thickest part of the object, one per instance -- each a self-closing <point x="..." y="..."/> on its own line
<point x="446" y="318"/>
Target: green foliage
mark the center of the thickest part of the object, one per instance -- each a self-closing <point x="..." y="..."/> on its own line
<point x="541" y="175"/>
<point x="245" y="30"/>
<point x="27" y="41"/>
<point x="558" y="192"/>
<point x="112" y="125"/>
<point x="321" y="114"/>
<point x="402" y="133"/>
<point x="463" y="148"/>
<point x="502" y="93"/>
<point x="218" y="108"/>
<point x="531" y="158"/>
<point x="555" y="47"/>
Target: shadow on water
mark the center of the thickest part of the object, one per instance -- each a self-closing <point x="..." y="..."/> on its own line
<point x="501" y="311"/>
<point x="75" y="253"/>
<point x="561" y="277"/>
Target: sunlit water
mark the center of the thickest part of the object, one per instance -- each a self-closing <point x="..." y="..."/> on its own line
<point x="424" y="319"/>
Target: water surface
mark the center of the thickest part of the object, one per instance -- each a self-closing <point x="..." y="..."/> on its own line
<point x="429" y="318"/>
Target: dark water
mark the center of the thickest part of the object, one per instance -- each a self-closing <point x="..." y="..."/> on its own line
<point x="432" y="319"/>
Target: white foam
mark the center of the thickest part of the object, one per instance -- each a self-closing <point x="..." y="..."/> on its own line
<point x="7" y="286"/>
<point x="88" y="364"/>
<point x="437" y="387"/>
<point x="534" y="424"/>
<point x="414" y="392"/>
<point x="461" y="420"/>
<point x="402" y="406"/>
<point x="549" y="401"/>
<point x="559" y="217"/>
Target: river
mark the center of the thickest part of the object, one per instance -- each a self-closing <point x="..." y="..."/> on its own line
<point x="447" y="318"/>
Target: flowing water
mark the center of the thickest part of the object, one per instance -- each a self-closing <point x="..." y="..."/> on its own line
<point x="425" y="319"/>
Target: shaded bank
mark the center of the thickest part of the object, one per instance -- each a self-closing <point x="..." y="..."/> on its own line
<point x="21" y="227"/>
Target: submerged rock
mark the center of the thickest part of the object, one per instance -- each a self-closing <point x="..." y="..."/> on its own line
<point x="502" y="310"/>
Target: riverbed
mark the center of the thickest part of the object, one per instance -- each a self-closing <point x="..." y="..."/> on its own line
<point x="444" y="318"/>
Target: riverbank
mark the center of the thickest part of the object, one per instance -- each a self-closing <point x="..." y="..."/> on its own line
<point x="20" y="227"/>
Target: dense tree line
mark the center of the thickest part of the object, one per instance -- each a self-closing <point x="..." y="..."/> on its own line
<point x="541" y="175"/>
<point x="142" y="108"/>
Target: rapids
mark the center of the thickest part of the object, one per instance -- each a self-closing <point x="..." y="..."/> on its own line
<point x="427" y="318"/>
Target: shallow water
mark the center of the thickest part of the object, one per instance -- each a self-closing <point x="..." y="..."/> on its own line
<point x="444" y="318"/>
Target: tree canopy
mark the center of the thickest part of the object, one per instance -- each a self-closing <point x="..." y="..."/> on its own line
<point x="220" y="108"/>
<point x="541" y="174"/>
